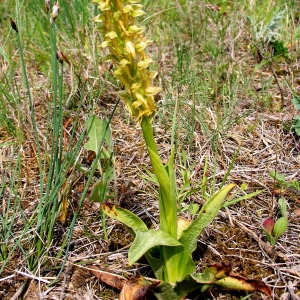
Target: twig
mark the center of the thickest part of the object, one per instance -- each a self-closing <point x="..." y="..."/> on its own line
<point x="22" y="290"/>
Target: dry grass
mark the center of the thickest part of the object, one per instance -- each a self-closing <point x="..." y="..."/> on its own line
<point x="235" y="235"/>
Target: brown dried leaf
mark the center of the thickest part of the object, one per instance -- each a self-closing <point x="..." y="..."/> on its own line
<point x="113" y="280"/>
<point x="221" y="269"/>
<point x="237" y="282"/>
<point x="136" y="289"/>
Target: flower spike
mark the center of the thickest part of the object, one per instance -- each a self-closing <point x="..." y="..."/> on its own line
<point x="124" y="38"/>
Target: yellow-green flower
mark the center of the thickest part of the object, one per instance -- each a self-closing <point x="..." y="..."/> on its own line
<point x="125" y="41"/>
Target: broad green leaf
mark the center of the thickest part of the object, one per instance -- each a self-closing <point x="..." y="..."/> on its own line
<point x="125" y="216"/>
<point x="134" y="223"/>
<point x="186" y="265"/>
<point x="168" y="221"/>
<point x="240" y="283"/>
<point x="155" y="262"/>
<point x="167" y="203"/>
<point x="207" y="213"/>
<point x="297" y="125"/>
<point x="97" y="132"/>
<point x="97" y="191"/>
<point x="190" y="235"/>
<point x="100" y="188"/>
<point x="296" y="101"/>
<point x="165" y="291"/>
<point x="280" y="227"/>
<point x="145" y="240"/>
<point x="221" y="276"/>
<point x="186" y="286"/>
<point x="282" y="206"/>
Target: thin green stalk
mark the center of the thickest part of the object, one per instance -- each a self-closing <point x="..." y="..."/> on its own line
<point x="167" y="203"/>
<point x="31" y="259"/>
<point x="31" y="105"/>
<point x="60" y="121"/>
<point x="67" y="240"/>
<point x="10" y="208"/>
<point x="55" y="135"/>
<point x="58" y="125"/>
<point x="167" y="211"/>
<point x="148" y="135"/>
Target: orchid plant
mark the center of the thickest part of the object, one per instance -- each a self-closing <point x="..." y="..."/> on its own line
<point x="274" y="230"/>
<point x="168" y="249"/>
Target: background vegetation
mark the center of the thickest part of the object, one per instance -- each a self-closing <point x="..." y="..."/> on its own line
<point x="232" y="69"/>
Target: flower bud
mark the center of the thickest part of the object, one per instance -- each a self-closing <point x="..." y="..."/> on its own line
<point x="127" y="8"/>
<point x="143" y="64"/>
<point x="85" y="77"/>
<point x="138" y="13"/>
<point x="65" y="58"/>
<point x="134" y="29"/>
<point x="47" y="6"/>
<point x="55" y="11"/>
<point x="14" y="25"/>
<point x="48" y="97"/>
<point x="152" y="91"/>
<point x="130" y="48"/>
<point x="59" y="56"/>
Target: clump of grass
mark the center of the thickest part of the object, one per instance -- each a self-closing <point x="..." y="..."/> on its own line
<point x="55" y="152"/>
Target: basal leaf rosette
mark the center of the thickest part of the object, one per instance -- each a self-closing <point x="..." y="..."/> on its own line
<point x="126" y="43"/>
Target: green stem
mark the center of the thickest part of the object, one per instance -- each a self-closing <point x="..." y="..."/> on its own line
<point x="151" y="146"/>
<point x="167" y="205"/>
<point x="148" y="135"/>
<point x="167" y="185"/>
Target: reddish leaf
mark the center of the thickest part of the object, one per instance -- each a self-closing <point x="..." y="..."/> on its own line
<point x="268" y="225"/>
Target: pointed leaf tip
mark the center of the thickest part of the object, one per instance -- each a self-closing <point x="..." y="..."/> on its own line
<point x="237" y="282"/>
